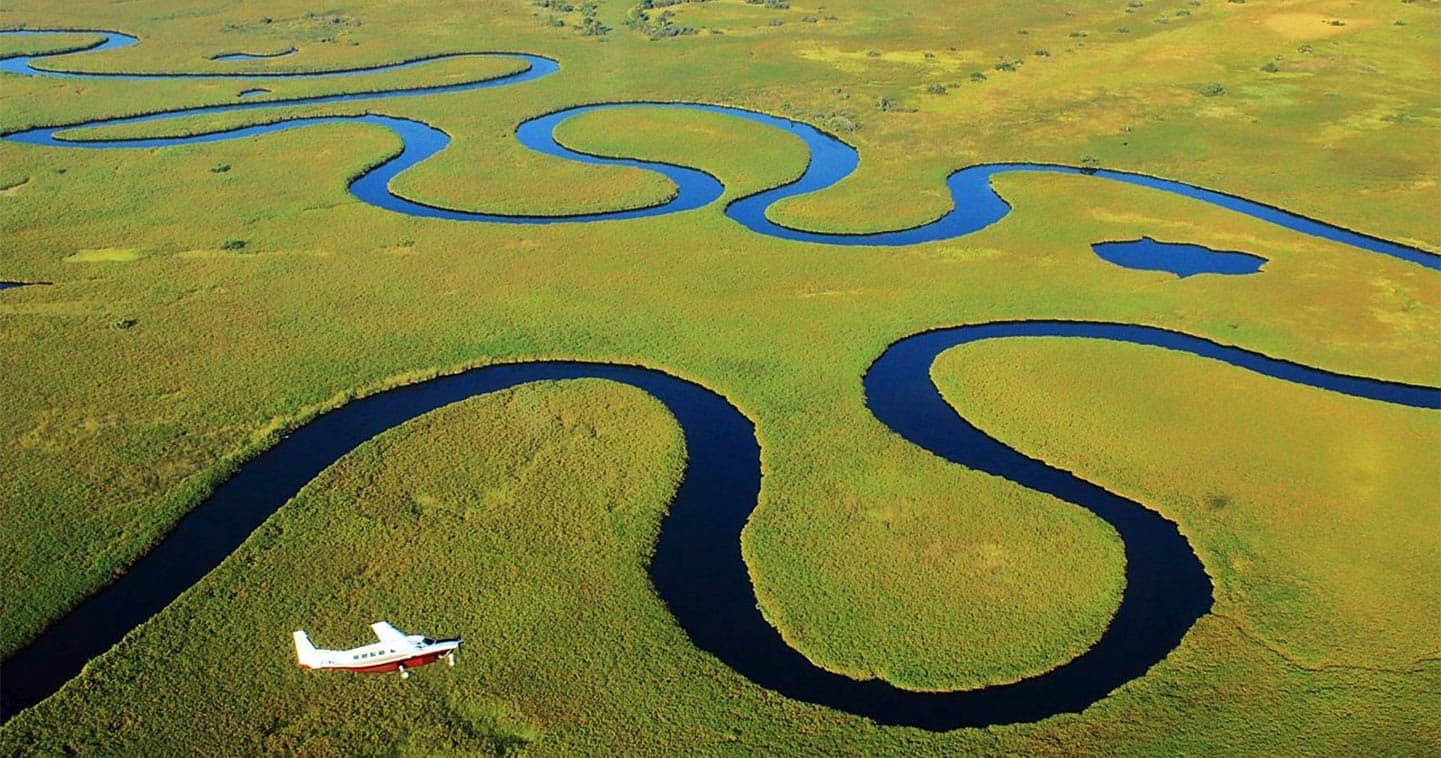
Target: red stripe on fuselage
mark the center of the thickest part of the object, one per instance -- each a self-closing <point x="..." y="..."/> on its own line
<point x="411" y="662"/>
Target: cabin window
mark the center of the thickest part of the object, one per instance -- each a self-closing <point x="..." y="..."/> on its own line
<point x="427" y="641"/>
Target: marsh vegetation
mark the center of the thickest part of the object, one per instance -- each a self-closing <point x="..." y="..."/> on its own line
<point x="530" y="516"/>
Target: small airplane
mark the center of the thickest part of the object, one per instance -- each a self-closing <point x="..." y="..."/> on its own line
<point x="396" y="651"/>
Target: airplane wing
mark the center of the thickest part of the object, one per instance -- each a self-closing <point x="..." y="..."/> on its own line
<point x="388" y="634"/>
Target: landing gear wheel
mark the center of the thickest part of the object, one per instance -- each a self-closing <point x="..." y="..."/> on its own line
<point x="450" y="658"/>
<point x="403" y="673"/>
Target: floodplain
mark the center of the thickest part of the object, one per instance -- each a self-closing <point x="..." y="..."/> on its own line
<point x="186" y="306"/>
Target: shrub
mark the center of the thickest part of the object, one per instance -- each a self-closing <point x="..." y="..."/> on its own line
<point x="839" y="123"/>
<point x="1213" y="89"/>
<point x="891" y="106"/>
<point x="233" y="245"/>
<point x="1217" y="501"/>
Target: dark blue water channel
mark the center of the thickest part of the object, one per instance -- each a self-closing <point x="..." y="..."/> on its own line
<point x="698" y="569"/>
<point x="1179" y="258"/>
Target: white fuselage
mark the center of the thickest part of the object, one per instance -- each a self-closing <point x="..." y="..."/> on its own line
<point x="394" y="652"/>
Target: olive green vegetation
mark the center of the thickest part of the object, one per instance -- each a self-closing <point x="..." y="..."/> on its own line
<point x="872" y="557"/>
<point x="541" y="559"/>
<point x="47" y="45"/>
<point x="535" y="543"/>
<point x="1306" y="550"/>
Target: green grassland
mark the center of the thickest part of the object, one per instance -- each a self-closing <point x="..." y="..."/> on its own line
<point x="535" y="544"/>
<point x="1307" y="507"/>
<point x="872" y="557"/>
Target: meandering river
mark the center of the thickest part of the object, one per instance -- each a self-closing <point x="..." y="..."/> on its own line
<point x="698" y="569"/>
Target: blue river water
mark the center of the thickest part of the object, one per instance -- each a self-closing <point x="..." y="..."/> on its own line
<point x="976" y="205"/>
<point x="1179" y="258"/>
<point x="232" y="57"/>
<point x="25" y="65"/>
<point x="698" y="570"/>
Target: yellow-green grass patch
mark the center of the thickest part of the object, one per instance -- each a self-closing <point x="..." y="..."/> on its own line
<point x="1308" y="508"/>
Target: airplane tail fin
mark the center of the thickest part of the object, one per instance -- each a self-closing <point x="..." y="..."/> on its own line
<point x="305" y="652"/>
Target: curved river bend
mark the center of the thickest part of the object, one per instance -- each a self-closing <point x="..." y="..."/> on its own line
<point x="698" y="570"/>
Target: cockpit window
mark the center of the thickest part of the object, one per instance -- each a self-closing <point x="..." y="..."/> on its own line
<point x="427" y="641"/>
